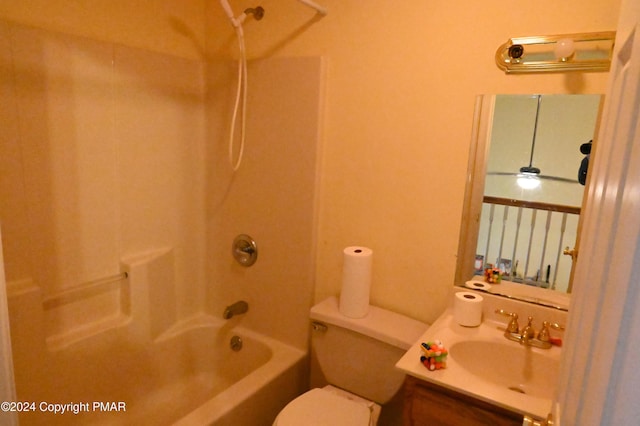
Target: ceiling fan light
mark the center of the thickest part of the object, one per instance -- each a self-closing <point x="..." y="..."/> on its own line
<point x="529" y="170"/>
<point x="528" y="180"/>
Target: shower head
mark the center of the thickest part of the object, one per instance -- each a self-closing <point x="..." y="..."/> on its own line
<point x="257" y="12"/>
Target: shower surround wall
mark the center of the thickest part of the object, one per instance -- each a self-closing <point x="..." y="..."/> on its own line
<point x="101" y="143"/>
<point x="114" y="159"/>
<point x="271" y="197"/>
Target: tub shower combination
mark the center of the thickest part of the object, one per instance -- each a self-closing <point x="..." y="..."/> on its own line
<point x="120" y="341"/>
<point x="202" y="370"/>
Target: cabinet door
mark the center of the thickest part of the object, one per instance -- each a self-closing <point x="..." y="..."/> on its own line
<point x="431" y="405"/>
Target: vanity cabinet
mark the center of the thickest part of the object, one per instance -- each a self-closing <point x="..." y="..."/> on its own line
<point x="428" y="404"/>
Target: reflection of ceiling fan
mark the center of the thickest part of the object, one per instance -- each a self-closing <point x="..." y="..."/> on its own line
<point x="529" y="176"/>
<point x="524" y="177"/>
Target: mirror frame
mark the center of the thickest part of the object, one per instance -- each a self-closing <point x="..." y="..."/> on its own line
<point x="474" y="189"/>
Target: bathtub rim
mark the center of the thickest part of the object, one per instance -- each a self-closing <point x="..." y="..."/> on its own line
<point x="283" y="358"/>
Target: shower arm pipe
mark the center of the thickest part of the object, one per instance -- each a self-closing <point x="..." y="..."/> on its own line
<point x="313" y="5"/>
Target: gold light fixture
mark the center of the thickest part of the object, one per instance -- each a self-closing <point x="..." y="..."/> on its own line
<point x="557" y="53"/>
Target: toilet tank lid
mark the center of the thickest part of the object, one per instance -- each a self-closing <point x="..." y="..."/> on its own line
<point x="389" y="327"/>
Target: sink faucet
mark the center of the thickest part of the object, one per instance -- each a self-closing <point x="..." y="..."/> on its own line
<point x="528" y="336"/>
<point x="513" y="329"/>
<point x="237" y="308"/>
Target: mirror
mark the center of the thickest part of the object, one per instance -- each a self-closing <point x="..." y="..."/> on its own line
<point x="523" y="232"/>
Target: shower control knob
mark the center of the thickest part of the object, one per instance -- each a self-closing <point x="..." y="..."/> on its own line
<point x="244" y="250"/>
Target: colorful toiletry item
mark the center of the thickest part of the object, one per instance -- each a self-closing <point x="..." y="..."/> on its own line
<point x="434" y="355"/>
<point x="492" y="274"/>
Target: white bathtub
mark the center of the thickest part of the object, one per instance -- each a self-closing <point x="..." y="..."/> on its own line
<point x="190" y="376"/>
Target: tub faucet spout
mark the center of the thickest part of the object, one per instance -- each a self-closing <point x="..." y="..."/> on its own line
<point x="237" y="308"/>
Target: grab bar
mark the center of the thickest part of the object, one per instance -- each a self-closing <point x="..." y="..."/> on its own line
<point x="76" y="292"/>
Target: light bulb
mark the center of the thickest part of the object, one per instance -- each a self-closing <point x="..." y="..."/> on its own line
<point x="564" y="49"/>
<point x="528" y="181"/>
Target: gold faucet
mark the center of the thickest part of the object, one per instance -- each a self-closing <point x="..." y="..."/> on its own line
<point x="527" y="336"/>
<point x="513" y="329"/>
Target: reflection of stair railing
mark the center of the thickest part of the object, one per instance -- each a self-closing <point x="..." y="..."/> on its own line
<point x="554" y="223"/>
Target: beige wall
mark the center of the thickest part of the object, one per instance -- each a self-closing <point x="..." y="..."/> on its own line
<point x="400" y="86"/>
<point x="165" y="26"/>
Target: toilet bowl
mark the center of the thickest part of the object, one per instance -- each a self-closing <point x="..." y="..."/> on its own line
<point x="352" y="366"/>
<point x="329" y="406"/>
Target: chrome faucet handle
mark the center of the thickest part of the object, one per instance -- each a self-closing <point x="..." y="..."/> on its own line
<point x="513" y="326"/>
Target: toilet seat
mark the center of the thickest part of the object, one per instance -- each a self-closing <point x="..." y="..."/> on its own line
<point x="319" y="407"/>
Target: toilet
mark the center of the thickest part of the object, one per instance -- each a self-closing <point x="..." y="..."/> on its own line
<point x="355" y="359"/>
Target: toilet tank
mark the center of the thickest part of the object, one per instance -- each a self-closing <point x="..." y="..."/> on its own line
<point x="359" y="355"/>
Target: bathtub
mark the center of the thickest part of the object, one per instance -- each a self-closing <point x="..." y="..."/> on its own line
<point x="188" y="376"/>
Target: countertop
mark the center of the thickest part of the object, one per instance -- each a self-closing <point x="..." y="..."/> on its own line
<point x="457" y="378"/>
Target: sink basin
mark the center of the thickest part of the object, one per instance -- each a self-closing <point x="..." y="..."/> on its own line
<point x="484" y="365"/>
<point x="509" y="365"/>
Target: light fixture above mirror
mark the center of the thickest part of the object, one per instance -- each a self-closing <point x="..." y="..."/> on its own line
<point x="557" y="53"/>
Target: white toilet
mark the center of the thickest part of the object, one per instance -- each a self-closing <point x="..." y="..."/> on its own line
<point x="357" y="358"/>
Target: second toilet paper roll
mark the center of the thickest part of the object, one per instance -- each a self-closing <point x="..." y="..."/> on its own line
<point x="477" y="285"/>
<point x="356" y="281"/>
<point x="467" y="308"/>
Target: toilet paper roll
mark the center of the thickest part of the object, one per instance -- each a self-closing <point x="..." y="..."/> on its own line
<point x="477" y="285"/>
<point x="356" y="281"/>
<point x="467" y="309"/>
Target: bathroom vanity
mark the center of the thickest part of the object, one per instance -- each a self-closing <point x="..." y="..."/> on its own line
<point x="427" y="404"/>
<point x="488" y="379"/>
